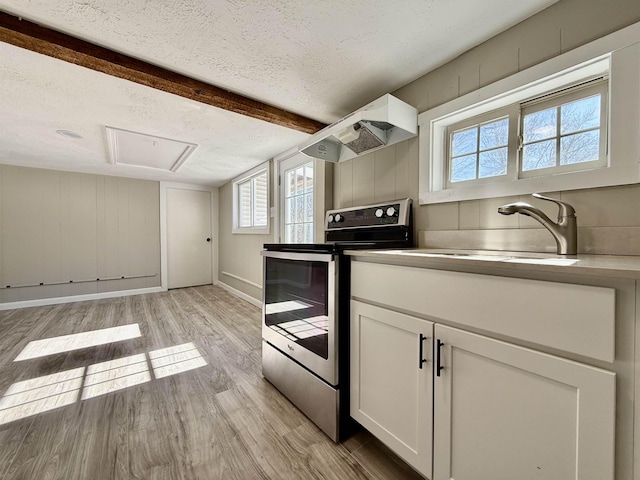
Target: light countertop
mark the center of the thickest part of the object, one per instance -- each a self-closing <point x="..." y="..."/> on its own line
<point x="582" y="264"/>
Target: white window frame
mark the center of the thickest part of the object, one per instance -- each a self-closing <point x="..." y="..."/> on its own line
<point x="616" y="56"/>
<point x="322" y="191"/>
<point x="283" y="167"/>
<point x="255" y="230"/>
<point x="556" y="101"/>
<point x="511" y="113"/>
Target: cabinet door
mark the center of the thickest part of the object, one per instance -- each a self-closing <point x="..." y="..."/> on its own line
<point x="391" y="385"/>
<point x="504" y="412"/>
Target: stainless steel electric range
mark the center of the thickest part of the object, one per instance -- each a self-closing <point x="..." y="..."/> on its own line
<point x="305" y="312"/>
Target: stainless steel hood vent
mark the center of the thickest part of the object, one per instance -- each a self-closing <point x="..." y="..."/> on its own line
<point x="381" y="123"/>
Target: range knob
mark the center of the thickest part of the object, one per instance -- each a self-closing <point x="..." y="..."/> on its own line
<point x="379" y="213"/>
<point x="330" y="219"/>
<point x="391" y="211"/>
<point x="339" y="217"/>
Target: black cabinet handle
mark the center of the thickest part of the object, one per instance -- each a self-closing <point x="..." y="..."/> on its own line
<point x="439" y="367"/>
<point x="208" y="239"/>
<point x="421" y="359"/>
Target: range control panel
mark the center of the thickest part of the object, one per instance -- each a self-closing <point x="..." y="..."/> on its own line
<point x="391" y="213"/>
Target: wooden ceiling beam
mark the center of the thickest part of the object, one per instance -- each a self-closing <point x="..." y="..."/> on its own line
<point x="31" y="36"/>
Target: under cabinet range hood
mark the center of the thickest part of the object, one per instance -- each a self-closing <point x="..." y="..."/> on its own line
<point x="381" y="123"/>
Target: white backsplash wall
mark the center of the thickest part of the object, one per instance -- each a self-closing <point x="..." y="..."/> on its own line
<point x="608" y="218"/>
<point x="378" y="176"/>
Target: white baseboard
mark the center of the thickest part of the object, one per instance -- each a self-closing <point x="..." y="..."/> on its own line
<point x="238" y="293"/>
<point x="77" y="298"/>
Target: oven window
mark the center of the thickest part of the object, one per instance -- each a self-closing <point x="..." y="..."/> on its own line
<point x="296" y="302"/>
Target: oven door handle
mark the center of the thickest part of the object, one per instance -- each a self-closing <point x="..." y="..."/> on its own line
<point x="313" y="257"/>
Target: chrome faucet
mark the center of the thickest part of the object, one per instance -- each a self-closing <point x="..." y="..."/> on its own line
<point x="565" y="232"/>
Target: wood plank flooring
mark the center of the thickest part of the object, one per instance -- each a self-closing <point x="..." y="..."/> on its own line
<point x="222" y="420"/>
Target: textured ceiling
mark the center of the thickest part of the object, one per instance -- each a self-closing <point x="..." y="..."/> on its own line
<point x="40" y="95"/>
<point x="320" y="59"/>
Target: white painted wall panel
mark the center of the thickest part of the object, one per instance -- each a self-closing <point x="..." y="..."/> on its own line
<point x="59" y="226"/>
<point x="52" y="228"/>
<point x="384" y="171"/>
<point x="363" y="179"/>
<point x="239" y="254"/>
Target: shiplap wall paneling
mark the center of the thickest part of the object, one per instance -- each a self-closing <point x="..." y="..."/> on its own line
<point x="80" y="232"/>
<point x="124" y="236"/>
<point x="384" y="174"/>
<point x="137" y="228"/>
<point x="13" y="228"/>
<point x="29" y="237"/>
<point x="363" y="179"/>
<point x="112" y="206"/>
<point x="59" y="226"/>
<point x="144" y="221"/>
<point x="345" y="190"/>
<point x="22" y="257"/>
<point x="401" y="174"/>
<point x="107" y="229"/>
<point x="54" y="201"/>
<point x="5" y="238"/>
<point x="128" y="233"/>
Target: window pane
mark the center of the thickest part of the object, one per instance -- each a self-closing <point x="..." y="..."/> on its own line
<point x="308" y="232"/>
<point x="580" y="115"/>
<point x="299" y="227"/>
<point x="539" y="155"/>
<point x="299" y="179"/>
<point x="299" y="212"/>
<point x="540" y="125"/>
<point x="493" y="163"/>
<point x="308" y="200"/>
<point x="464" y="141"/>
<point x="494" y="134"/>
<point x="581" y="147"/>
<point x="291" y="184"/>
<point x="290" y="206"/>
<point x="463" y="168"/>
<point x="298" y="203"/>
<point x="308" y="175"/>
<point x="289" y="233"/>
<point x="244" y="204"/>
<point x="260" y="208"/>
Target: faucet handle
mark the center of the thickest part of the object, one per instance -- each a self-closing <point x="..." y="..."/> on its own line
<point x="566" y="210"/>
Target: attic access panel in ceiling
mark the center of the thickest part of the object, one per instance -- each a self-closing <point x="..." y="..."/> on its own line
<point x="141" y="150"/>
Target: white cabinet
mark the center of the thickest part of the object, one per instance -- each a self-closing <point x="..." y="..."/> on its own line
<point x="503" y="412"/>
<point x="392" y="380"/>
<point x="494" y="410"/>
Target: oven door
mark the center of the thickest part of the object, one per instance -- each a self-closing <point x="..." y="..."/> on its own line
<point x="298" y="309"/>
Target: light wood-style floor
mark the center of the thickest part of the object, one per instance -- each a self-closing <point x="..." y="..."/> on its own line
<point x="217" y="421"/>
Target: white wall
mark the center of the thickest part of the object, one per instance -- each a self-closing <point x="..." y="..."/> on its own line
<point x="239" y="263"/>
<point x="66" y="230"/>
<point x="606" y="216"/>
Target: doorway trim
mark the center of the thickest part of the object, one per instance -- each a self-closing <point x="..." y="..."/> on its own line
<point x="164" y="253"/>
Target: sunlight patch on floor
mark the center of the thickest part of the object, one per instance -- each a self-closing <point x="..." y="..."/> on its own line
<point x="41" y="394"/>
<point x="37" y="395"/>
<point x="114" y="375"/>
<point x="174" y="360"/>
<point x="76" y="341"/>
